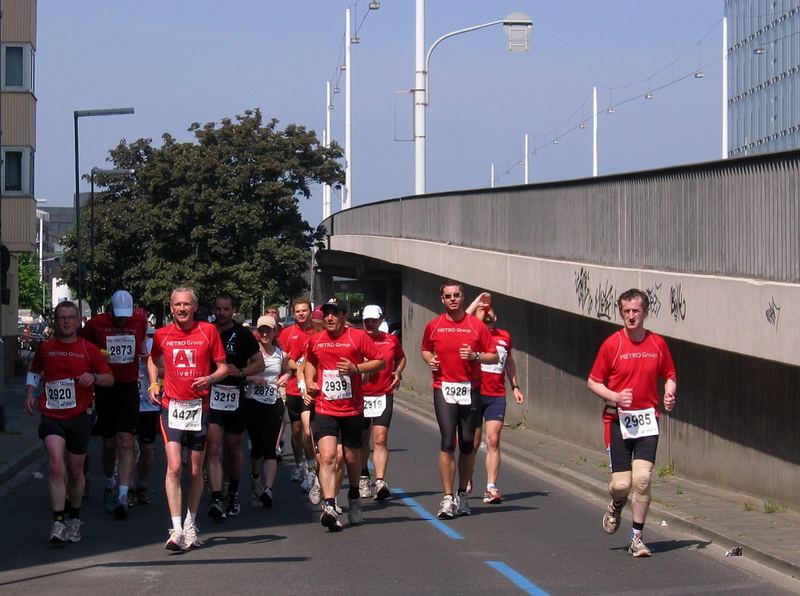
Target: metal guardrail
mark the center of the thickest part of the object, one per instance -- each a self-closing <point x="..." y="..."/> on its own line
<point x="735" y="217"/>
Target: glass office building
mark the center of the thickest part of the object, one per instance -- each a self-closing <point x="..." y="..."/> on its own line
<point x="763" y="76"/>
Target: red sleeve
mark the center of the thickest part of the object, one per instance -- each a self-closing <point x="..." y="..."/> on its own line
<point x="309" y="353"/>
<point x="37" y="366"/>
<point x="602" y="364"/>
<point x="89" y="332"/>
<point x="155" y="349"/>
<point x="427" y="343"/>
<point x="298" y="348"/>
<point x="667" y="364"/>
<point x="398" y="348"/>
<point x="283" y="338"/>
<point x="217" y="349"/>
<point x="368" y="348"/>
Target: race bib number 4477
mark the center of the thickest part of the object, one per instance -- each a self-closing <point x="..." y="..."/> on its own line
<point x="185" y="415"/>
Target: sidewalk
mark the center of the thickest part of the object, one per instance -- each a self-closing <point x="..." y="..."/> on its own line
<point x="19" y="442"/>
<point x="772" y="539"/>
<point x="720" y="516"/>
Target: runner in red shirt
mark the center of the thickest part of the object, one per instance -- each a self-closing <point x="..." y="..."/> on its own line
<point x="120" y="335"/>
<point x="624" y="376"/>
<point x="379" y="403"/>
<point x="454" y="345"/>
<point x="188" y="350"/>
<point x="292" y="341"/>
<point x="493" y="393"/>
<point x="335" y="360"/>
<point x="70" y="368"/>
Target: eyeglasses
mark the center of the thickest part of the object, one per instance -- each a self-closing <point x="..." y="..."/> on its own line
<point x="67" y="318"/>
<point x="451" y="296"/>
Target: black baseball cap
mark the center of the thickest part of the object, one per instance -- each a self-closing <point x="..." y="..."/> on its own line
<point x="334" y="304"/>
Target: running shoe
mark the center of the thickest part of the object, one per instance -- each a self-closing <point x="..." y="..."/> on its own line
<point x="447" y="508"/>
<point x="493" y="496"/>
<point x="176" y="541"/>
<point x="364" y="490"/>
<point x="382" y="491"/>
<point x="58" y="533"/>
<point x="121" y="510"/>
<point x="315" y="494"/>
<point x="611" y="518"/>
<point x="297" y="473"/>
<point x="308" y="481"/>
<point x="339" y="510"/>
<point x="74" y="530"/>
<point x="463" y="504"/>
<point x="216" y="510"/>
<point x="191" y="538"/>
<point x="355" y="514"/>
<point x="266" y="498"/>
<point x="109" y="500"/>
<point x="234" y="505"/>
<point x="330" y="519"/>
<point x="637" y="548"/>
<point x="142" y="496"/>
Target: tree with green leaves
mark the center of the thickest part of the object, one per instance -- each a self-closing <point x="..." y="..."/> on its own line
<point x="30" y="287"/>
<point x="218" y="213"/>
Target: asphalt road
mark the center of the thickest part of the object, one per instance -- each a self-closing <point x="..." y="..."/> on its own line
<point x="544" y="538"/>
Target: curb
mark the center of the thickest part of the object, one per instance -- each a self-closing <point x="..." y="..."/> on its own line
<point x="23" y="462"/>
<point x="599" y="489"/>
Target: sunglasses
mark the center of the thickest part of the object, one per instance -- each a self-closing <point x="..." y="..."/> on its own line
<point x="451" y="296"/>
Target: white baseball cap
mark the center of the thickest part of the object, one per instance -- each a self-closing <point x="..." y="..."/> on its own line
<point x="372" y="311"/>
<point x="122" y="303"/>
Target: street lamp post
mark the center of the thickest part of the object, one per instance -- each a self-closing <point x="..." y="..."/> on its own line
<point x="518" y="27"/>
<point x="76" y="115"/>
<point x="93" y="173"/>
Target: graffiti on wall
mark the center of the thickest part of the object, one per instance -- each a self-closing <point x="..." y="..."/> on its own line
<point x="773" y="313"/>
<point x="654" y="299"/>
<point x="677" y="303"/>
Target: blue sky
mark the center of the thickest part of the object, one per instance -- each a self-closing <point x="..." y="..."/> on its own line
<point x="183" y="61"/>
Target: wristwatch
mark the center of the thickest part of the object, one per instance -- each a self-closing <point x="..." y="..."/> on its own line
<point x="477" y="356"/>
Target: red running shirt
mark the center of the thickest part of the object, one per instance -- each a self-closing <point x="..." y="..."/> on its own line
<point x="324" y="352"/>
<point x="188" y="355"/>
<point x="444" y="338"/>
<point x="57" y="361"/>
<point x="493" y="376"/>
<point x="623" y="364"/>
<point x="126" y="345"/>
<point x="293" y="342"/>
<point x="380" y="383"/>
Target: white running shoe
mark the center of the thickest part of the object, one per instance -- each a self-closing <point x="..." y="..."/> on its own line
<point x="58" y="533"/>
<point x="297" y="473"/>
<point x="637" y="548"/>
<point x="330" y="519"/>
<point x="447" y="508"/>
<point x="308" y="481"/>
<point x="191" y="536"/>
<point x="336" y="506"/>
<point x="355" y="514"/>
<point x="74" y="530"/>
<point x="176" y="541"/>
<point x="364" y="489"/>
<point x="382" y="491"/>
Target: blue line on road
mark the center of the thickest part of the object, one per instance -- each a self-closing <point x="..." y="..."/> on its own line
<point x="519" y="580"/>
<point x="423" y="513"/>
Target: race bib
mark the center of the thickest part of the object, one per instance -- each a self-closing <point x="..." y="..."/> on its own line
<point x="266" y="394"/>
<point x="185" y="415"/>
<point x="336" y="386"/>
<point x="60" y="395"/>
<point x="224" y="398"/>
<point x="457" y="393"/>
<point x="638" y="423"/>
<point x="121" y="348"/>
<point x="500" y="367"/>
<point x="374" y="405"/>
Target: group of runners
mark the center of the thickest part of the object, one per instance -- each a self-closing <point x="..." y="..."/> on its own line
<point x="204" y="385"/>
